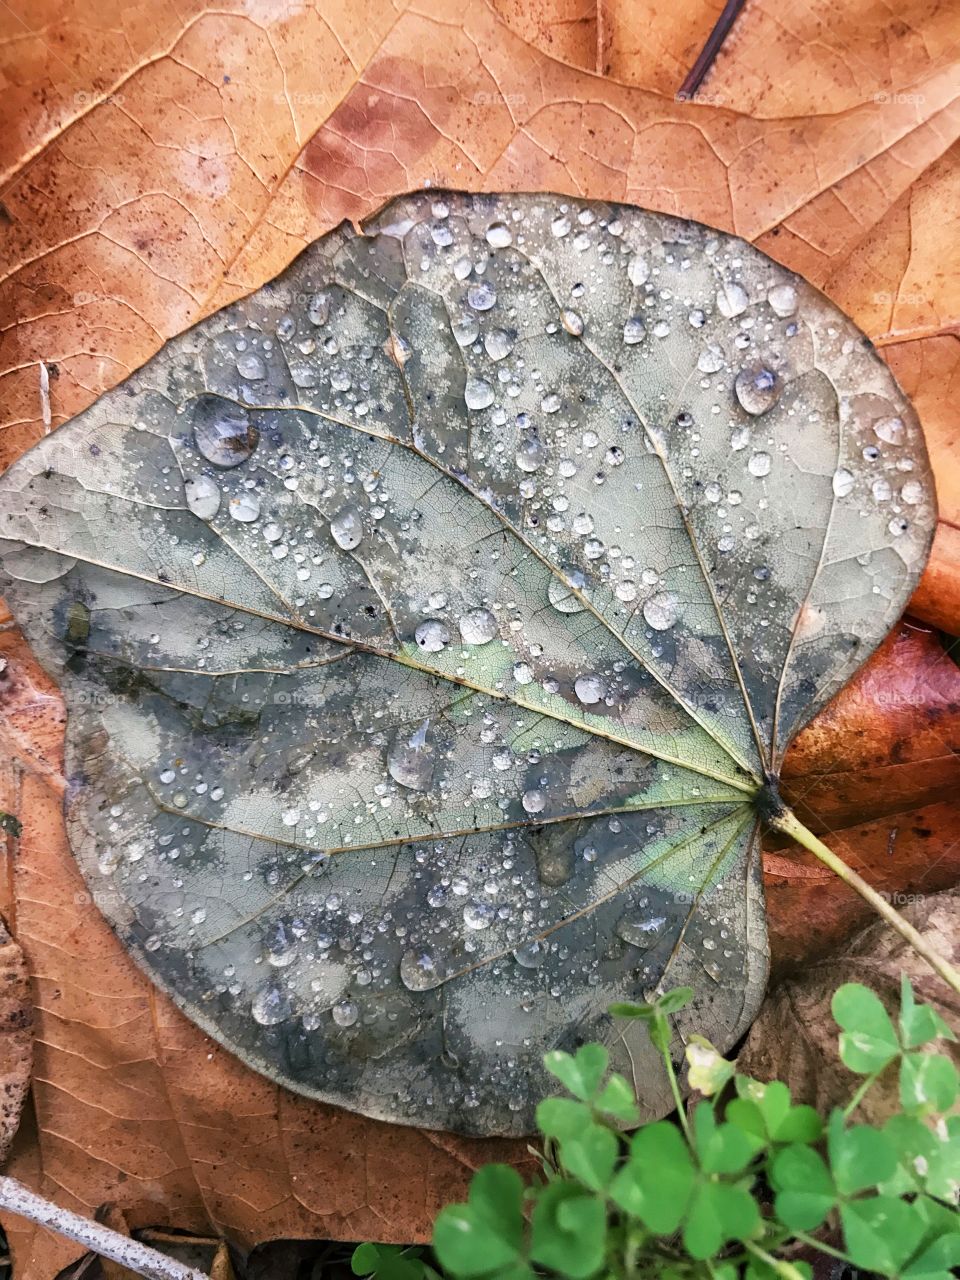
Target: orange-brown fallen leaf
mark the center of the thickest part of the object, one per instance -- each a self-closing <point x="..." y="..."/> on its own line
<point x="164" y="160"/>
<point x="16" y="1037"/>
<point x="878" y="771"/>
<point x="891" y="740"/>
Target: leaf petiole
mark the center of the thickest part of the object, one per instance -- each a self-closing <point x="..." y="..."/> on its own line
<point x="862" y="1091"/>
<point x="677" y="1097"/>
<point x="777" y="1265"/>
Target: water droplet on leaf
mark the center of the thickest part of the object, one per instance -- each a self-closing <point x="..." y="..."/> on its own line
<point x="757" y="388"/>
<point x="478" y="626"/>
<point x="270" y="1006"/>
<point x="418" y="972"/>
<point x="223" y="431"/>
<point x="412" y="758"/>
<point x="432" y="635"/>
<point x="346" y="528"/>
<point x="202" y="496"/>
<point x="661" y="610"/>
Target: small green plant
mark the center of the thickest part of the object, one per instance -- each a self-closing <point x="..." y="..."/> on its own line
<point x="737" y="1187"/>
<point x="10" y="825"/>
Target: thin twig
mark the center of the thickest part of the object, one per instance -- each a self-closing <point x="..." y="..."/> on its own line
<point x="129" y="1253"/>
<point x="694" y="77"/>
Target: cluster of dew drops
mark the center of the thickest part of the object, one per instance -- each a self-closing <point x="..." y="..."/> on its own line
<point x="226" y="438"/>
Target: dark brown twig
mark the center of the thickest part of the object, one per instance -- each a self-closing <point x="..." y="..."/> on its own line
<point x="694" y="77"/>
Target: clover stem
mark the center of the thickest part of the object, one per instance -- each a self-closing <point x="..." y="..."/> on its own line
<point x="777" y="1265"/>
<point x="677" y="1097"/>
<point x="861" y="1093"/>
<point x="828" y="1249"/>
<point x="790" y="825"/>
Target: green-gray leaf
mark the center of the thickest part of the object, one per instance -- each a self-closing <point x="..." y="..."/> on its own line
<point x="431" y="622"/>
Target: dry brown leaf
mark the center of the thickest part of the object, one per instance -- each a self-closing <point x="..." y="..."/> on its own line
<point x="222" y="1267"/>
<point x="905" y="856"/>
<point x="877" y="772"/>
<point x="890" y="740"/>
<point x="16" y="1038"/>
<point x="167" y="159"/>
<point x="795" y="1038"/>
<point x="937" y="597"/>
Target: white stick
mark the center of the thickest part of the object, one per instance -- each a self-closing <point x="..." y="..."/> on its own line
<point x="110" y="1244"/>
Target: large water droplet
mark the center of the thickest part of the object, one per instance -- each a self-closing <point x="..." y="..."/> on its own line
<point x="530" y="454"/>
<point x="732" y="300"/>
<point x="281" y="944"/>
<point x="534" y="801"/>
<point x="757" y="388"/>
<point x="589" y="689"/>
<point x="482" y="296"/>
<point x="561" y="596"/>
<point x="710" y="360"/>
<point x="251" y="366"/>
<point x="478" y="394"/>
<point x="245" y="507"/>
<point x="638" y="271"/>
<point x="202" y="496"/>
<point x="759" y="464"/>
<point x="411" y="760"/>
<point x="890" y="430"/>
<point x="478" y="915"/>
<point x="661" y="610"/>
<point x="223" y="431"/>
<point x="783" y="300"/>
<point x="640" y="930"/>
<point x="498" y="344"/>
<point x="634" y="331"/>
<point x="346" y="528"/>
<point x="467" y="331"/>
<point x="843" y="481"/>
<point x="432" y="635"/>
<point x="345" y="1013"/>
<point x="499" y="235"/>
<point x="418" y="971"/>
<point x="531" y="955"/>
<point x="478" y="626"/>
<point x="572" y="321"/>
<point x="270" y="1006"/>
<point x="304" y="374"/>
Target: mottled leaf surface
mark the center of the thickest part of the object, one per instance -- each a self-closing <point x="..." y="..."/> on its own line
<point x="431" y="620"/>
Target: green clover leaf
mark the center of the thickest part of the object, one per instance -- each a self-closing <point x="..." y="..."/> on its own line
<point x="657" y="1180"/>
<point x="568" y="1230"/>
<point x="805" y="1193"/>
<point x="868" y="1041"/>
<point x="485" y="1235"/>
<point x="580" y="1073"/>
